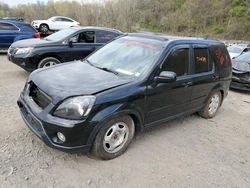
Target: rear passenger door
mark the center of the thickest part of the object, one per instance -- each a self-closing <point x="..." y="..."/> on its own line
<point x="8" y="33"/>
<point x="203" y="73"/>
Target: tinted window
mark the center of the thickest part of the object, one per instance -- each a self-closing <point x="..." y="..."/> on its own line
<point x="6" y="26"/>
<point x="201" y="60"/>
<point x="65" y="20"/>
<point x="177" y="62"/>
<point x="105" y="36"/>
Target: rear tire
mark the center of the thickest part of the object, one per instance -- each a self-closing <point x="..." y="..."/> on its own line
<point x="114" y="138"/>
<point x="212" y="105"/>
<point x="47" y="62"/>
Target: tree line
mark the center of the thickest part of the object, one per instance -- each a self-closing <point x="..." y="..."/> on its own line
<point x="225" y="19"/>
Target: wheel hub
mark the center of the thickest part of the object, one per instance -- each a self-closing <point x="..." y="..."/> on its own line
<point x="116" y="137"/>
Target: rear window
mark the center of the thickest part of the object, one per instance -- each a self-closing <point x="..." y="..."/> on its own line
<point x="202" y="60"/>
<point x="28" y="28"/>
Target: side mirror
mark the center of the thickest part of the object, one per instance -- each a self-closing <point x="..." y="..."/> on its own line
<point x="165" y="77"/>
<point x="70" y="43"/>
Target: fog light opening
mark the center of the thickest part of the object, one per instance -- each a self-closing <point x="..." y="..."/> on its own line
<point x="61" y="137"/>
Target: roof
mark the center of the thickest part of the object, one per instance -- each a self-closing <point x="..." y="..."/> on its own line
<point x="99" y="28"/>
<point x="162" y="37"/>
<point x="12" y="21"/>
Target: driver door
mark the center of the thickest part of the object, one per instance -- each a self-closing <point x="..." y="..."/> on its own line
<point x="167" y="100"/>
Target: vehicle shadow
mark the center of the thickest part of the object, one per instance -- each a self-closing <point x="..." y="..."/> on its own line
<point x="240" y="91"/>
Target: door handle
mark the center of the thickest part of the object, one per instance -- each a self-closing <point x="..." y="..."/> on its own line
<point x="215" y="77"/>
<point x="187" y="84"/>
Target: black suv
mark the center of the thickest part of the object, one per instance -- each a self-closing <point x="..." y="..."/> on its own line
<point x="134" y="82"/>
<point x="66" y="45"/>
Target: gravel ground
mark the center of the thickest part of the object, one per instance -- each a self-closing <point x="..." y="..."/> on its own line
<point x="187" y="152"/>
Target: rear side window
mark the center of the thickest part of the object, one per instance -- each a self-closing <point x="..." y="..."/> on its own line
<point x="105" y="36"/>
<point x="6" y="26"/>
<point x="177" y="62"/>
<point x="201" y="60"/>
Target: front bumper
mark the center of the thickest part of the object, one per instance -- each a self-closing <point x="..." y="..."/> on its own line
<point x="77" y="134"/>
<point x="28" y="63"/>
<point x="240" y="83"/>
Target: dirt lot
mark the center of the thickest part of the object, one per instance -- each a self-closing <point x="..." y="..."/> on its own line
<point x="188" y="152"/>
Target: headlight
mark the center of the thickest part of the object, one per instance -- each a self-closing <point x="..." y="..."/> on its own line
<point x="24" y="50"/>
<point x="75" y="108"/>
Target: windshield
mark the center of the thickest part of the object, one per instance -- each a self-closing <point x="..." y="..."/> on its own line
<point x="244" y="57"/>
<point x="132" y="56"/>
<point x="60" y="35"/>
<point x="234" y="49"/>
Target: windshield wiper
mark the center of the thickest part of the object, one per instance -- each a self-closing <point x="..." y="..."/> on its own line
<point x="108" y="70"/>
<point x="102" y="68"/>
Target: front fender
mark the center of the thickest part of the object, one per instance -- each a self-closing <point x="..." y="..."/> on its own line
<point x="111" y="112"/>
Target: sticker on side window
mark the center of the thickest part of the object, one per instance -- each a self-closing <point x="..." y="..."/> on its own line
<point x="220" y="56"/>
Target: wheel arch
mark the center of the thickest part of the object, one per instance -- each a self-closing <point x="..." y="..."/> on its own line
<point x="104" y="119"/>
<point x="44" y="24"/>
<point x="46" y="55"/>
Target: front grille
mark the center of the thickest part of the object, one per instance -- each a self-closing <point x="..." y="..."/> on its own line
<point x="39" y="97"/>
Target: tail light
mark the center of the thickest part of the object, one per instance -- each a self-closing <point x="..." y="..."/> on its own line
<point x="37" y="35"/>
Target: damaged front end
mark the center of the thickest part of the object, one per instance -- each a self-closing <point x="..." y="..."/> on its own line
<point x="241" y="76"/>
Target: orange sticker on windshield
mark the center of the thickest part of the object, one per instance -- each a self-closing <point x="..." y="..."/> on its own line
<point x="137" y="43"/>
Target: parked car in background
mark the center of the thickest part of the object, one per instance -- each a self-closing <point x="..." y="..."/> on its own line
<point x="13" y="30"/>
<point x="241" y="72"/>
<point x="236" y="50"/>
<point x="66" y="45"/>
<point x="134" y="82"/>
<point x="54" y="24"/>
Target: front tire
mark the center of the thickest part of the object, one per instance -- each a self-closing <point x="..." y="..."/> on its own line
<point x="212" y="105"/>
<point x="114" y="138"/>
<point x="44" y="29"/>
<point x="47" y="62"/>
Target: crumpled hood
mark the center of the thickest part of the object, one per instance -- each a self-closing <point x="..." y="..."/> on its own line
<point x="233" y="55"/>
<point x="31" y="43"/>
<point x="241" y="66"/>
<point x="75" y="78"/>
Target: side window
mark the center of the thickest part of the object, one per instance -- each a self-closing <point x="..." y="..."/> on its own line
<point x="84" y="37"/>
<point x="177" y="62"/>
<point x="6" y="26"/>
<point x="66" y="20"/>
<point x="105" y="36"/>
<point x="201" y="60"/>
<point x="57" y="19"/>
